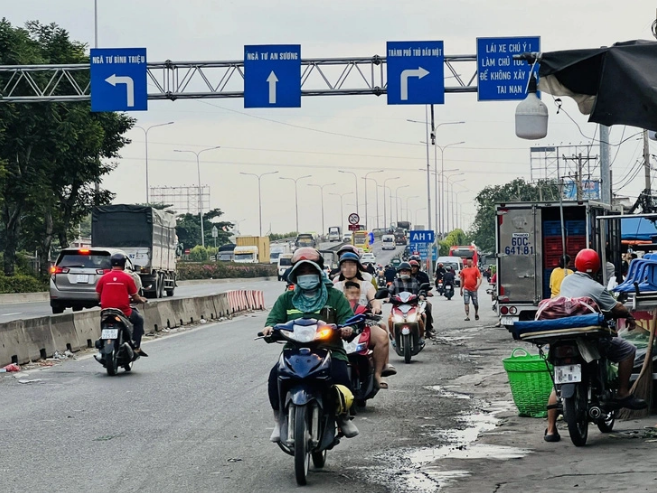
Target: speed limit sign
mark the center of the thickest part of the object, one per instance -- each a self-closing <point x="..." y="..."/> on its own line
<point x="354" y="218"/>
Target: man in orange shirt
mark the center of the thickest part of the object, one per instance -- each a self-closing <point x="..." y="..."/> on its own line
<point x="470" y="282"/>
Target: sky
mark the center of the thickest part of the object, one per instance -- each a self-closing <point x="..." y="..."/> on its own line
<point x="354" y="133"/>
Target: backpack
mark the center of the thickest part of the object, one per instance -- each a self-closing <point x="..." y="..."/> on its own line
<point x="561" y="306"/>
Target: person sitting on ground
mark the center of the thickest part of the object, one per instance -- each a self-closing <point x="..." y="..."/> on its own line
<point x="616" y="349"/>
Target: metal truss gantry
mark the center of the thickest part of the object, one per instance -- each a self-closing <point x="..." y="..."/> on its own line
<point x="183" y="199"/>
<point x="222" y="79"/>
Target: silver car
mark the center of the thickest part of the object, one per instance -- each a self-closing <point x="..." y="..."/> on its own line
<point x="75" y="274"/>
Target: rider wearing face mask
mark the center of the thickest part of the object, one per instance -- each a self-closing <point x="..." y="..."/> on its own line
<point x="405" y="282"/>
<point x="313" y="297"/>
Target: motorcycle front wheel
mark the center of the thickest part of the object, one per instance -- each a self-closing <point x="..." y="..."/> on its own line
<point x="407" y="348"/>
<point x="575" y="414"/>
<point x="607" y="426"/>
<point x="301" y="442"/>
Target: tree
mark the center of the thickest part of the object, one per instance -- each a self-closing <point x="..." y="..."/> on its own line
<point x="518" y="190"/>
<point x="188" y="229"/>
<point x="454" y="238"/>
<point x="53" y="152"/>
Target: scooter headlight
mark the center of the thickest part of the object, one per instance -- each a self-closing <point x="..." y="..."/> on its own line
<point x="398" y="319"/>
<point x="412" y="318"/>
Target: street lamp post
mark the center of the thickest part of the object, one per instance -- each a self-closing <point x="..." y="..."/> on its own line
<point x="200" y="196"/>
<point x="385" y="218"/>
<point x="408" y="211"/>
<point x="450" y="184"/>
<point x="455" y="196"/>
<point x="365" y="178"/>
<point x="341" y="195"/>
<point x="417" y="212"/>
<point x="356" y="178"/>
<point x="296" y="196"/>
<point x="259" y="194"/>
<point x="146" y="130"/>
<point x="397" y="200"/>
<point x="376" y="183"/>
<point x="442" y="179"/>
<point x="321" y="187"/>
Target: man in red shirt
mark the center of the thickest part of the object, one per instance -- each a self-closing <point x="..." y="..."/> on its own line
<point x="116" y="289"/>
<point x="470" y="282"/>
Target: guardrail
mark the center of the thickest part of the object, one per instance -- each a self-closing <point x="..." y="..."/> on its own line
<point x="22" y="341"/>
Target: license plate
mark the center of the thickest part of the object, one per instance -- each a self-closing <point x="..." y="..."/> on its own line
<point x="82" y="279"/>
<point x="109" y="334"/>
<point x="567" y="374"/>
<point x="508" y="320"/>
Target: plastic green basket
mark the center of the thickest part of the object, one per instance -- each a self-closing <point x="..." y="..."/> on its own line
<point x="530" y="383"/>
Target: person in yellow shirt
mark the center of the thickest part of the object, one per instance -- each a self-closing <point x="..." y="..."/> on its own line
<point x="558" y="275"/>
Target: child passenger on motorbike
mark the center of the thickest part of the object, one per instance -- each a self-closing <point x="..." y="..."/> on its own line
<point x="351" y="271"/>
<point x="313" y="294"/>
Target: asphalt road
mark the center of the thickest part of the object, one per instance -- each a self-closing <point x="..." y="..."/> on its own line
<point x="20" y="311"/>
<point x="195" y="417"/>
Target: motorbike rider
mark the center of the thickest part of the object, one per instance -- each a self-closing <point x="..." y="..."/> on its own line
<point x="449" y="279"/>
<point x="616" y="349"/>
<point x="405" y="282"/>
<point x="352" y="270"/>
<point x="313" y="296"/>
<point x="335" y="273"/>
<point x="440" y="272"/>
<point x="390" y="273"/>
<point x="423" y="278"/>
<point x="116" y="289"/>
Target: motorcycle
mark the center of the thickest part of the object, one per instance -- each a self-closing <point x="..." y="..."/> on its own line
<point x="440" y="287"/>
<point x="308" y="428"/>
<point x="491" y="291"/>
<point x="586" y="382"/>
<point x="114" y="346"/>
<point x="449" y="291"/>
<point x="361" y="360"/>
<point x="407" y="314"/>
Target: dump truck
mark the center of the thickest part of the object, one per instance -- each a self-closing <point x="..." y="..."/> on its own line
<point x="147" y="236"/>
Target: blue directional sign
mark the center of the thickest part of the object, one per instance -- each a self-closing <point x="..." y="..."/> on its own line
<point x="415" y="72"/>
<point x="118" y="79"/>
<point x="420" y="236"/>
<point x="272" y="76"/>
<point x="501" y="78"/>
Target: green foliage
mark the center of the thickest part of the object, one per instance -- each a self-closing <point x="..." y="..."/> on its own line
<point x="224" y="270"/>
<point x="21" y="283"/>
<point x="188" y="229"/>
<point x="199" y="254"/>
<point x="454" y="238"/>
<point x="281" y="236"/>
<point x="52" y="154"/>
<point x="518" y="190"/>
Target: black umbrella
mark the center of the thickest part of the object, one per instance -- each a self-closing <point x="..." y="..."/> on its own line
<point x="615" y="85"/>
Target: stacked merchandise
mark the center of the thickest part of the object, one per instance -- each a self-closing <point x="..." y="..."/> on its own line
<point x="553" y="246"/>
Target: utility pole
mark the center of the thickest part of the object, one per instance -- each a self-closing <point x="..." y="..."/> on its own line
<point x="605" y="166"/>
<point x="579" y="180"/>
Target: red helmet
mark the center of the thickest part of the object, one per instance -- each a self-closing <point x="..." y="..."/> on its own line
<point x="414" y="263"/>
<point x="347" y="248"/>
<point x="588" y="261"/>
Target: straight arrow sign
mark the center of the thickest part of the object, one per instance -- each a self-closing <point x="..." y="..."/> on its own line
<point x="272" y="79"/>
<point x="129" y="86"/>
<point x="419" y="73"/>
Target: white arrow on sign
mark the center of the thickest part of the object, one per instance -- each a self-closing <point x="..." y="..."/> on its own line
<point x="129" y="87"/>
<point x="419" y="73"/>
<point x="272" y="79"/>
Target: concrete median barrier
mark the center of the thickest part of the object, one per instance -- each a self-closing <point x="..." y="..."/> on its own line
<point x="22" y="341"/>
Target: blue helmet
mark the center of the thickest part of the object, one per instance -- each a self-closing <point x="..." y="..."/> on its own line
<point x="350" y="256"/>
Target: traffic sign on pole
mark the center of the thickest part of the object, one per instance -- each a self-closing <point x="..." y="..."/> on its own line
<point x="118" y="79"/>
<point x="354" y="218"/>
<point x="419" y="236"/>
<point x="501" y="78"/>
<point x="415" y="72"/>
<point x="272" y="76"/>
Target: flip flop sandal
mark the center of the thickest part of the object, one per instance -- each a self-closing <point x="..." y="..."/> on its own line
<point x="382" y="385"/>
<point x="467" y="319"/>
<point x="555" y="437"/>
<point x="389" y="371"/>
<point x="476" y="317"/>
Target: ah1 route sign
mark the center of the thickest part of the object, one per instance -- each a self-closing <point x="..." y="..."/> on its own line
<point x="415" y="72"/>
<point x="118" y="79"/>
<point x="272" y="76"/>
<point x="419" y="236"/>
<point x="501" y="78"/>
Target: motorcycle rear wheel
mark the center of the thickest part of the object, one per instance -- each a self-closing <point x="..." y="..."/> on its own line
<point x="301" y="439"/>
<point x="574" y="410"/>
<point x="407" y="348"/>
<point x="607" y="426"/>
<point x="111" y="364"/>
